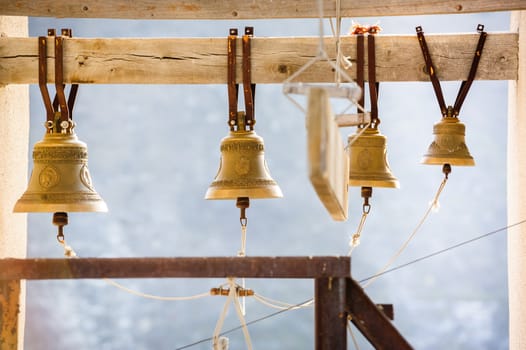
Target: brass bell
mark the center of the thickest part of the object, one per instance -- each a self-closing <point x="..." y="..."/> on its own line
<point x="243" y="171"/>
<point x="60" y="181"/>
<point x="449" y="146"/>
<point x="368" y="160"/>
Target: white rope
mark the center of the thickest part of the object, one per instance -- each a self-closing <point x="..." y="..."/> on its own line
<point x="70" y="253"/>
<point x="430" y="208"/>
<point x="232" y="298"/>
<point x="355" y="239"/>
<point x="151" y="296"/>
<point x="281" y="305"/>
<point x="353" y="337"/>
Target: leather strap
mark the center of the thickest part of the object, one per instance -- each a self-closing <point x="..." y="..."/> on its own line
<point x="465" y="85"/>
<point x="249" y="89"/>
<point x="360" y="58"/>
<point x="42" y="77"/>
<point x="233" y="88"/>
<point x="431" y="71"/>
<point x="373" y="84"/>
<point x="59" y="78"/>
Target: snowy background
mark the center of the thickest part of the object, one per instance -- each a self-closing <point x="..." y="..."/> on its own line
<point x="152" y="164"/>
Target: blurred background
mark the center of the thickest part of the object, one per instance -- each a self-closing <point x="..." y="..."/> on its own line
<point x="154" y="150"/>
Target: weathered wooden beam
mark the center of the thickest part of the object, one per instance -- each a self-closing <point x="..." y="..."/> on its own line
<point x="9" y="314"/>
<point x="203" y="60"/>
<point x="242" y="9"/>
<point x="198" y="267"/>
<point x="371" y="321"/>
<point x="330" y="315"/>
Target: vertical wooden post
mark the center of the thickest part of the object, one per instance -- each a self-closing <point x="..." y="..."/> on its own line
<point x="330" y="315"/>
<point x="14" y="135"/>
<point x="516" y="190"/>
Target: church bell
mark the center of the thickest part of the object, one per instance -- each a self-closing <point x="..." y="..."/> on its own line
<point x="449" y="146"/>
<point x="243" y="171"/>
<point x="368" y="160"/>
<point x="60" y="181"/>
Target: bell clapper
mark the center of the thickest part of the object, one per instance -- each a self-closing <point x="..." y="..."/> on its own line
<point x="60" y="219"/>
<point x="367" y="193"/>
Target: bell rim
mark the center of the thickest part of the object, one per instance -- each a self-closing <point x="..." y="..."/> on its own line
<point x="22" y="206"/>
<point x="392" y="183"/>
<point x="233" y="193"/>
<point x="434" y="160"/>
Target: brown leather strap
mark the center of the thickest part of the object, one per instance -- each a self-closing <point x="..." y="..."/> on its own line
<point x="466" y="84"/>
<point x="373" y="84"/>
<point x="42" y="77"/>
<point x="464" y="87"/>
<point x="67" y="32"/>
<point x="59" y="78"/>
<point x="233" y="88"/>
<point x="249" y="89"/>
<point x="431" y="71"/>
<point x="360" y="59"/>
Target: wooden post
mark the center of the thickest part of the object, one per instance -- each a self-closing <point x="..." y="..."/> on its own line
<point x="14" y="133"/>
<point x="516" y="190"/>
<point x="330" y="315"/>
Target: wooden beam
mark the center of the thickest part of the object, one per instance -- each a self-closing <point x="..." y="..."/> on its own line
<point x="201" y="267"/>
<point x="242" y="9"/>
<point x="203" y="60"/>
<point x="372" y="323"/>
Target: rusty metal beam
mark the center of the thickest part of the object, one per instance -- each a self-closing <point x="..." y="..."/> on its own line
<point x="372" y="322"/>
<point x="330" y="314"/>
<point x="9" y="312"/>
<point x="187" y="267"/>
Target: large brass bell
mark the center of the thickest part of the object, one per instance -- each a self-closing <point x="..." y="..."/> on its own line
<point x="368" y="160"/>
<point x="60" y="181"/>
<point x="243" y="171"/>
<point x="449" y="146"/>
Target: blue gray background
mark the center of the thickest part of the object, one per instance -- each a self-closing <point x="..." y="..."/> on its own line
<point x="154" y="149"/>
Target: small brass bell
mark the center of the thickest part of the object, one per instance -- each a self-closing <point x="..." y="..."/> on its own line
<point x="449" y="146"/>
<point x="243" y="171"/>
<point x="368" y="160"/>
<point x="60" y="181"/>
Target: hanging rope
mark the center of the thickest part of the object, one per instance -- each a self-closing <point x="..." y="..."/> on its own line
<point x="366" y="208"/>
<point x="70" y="253"/>
<point x="431" y="207"/>
<point x="232" y="298"/>
<point x="353" y="337"/>
<point x="281" y="305"/>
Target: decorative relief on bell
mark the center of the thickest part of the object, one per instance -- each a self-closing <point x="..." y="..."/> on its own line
<point x="49" y="177"/>
<point x="85" y="177"/>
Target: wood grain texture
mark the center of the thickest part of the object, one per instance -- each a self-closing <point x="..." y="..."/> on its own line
<point x="274" y="59"/>
<point x="328" y="162"/>
<point x="243" y="9"/>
